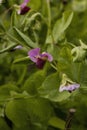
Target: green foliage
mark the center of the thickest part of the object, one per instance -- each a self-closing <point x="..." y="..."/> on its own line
<point x="34" y="82"/>
<point x="22" y="60"/>
<point x="26" y="39"/>
<point x="8" y="48"/>
<point x="29" y="97"/>
<point x="3" y="125"/>
<point x="23" y="111"/>
<point x="61" y="25"/>
<point x="56" y="122"/>
<point x="50" y="87"/>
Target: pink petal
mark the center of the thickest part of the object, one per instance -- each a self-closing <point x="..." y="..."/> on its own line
<point x="49" y="56"/>
<point x="33" y="54"/>
<point x="24" y="3"/>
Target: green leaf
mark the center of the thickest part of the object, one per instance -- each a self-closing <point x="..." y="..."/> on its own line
<point x="57" y="122"/>
<point x="43" y="33"/>
<point x="2" y="27"/>
<point x="36" y="27"/>
<point x="35" y="4"/>
<point x="53" y="50"/>
<point x="26" y="127"/>
<point x="6" y="88"/>
<point x="24" y="111"/>
<point x="64" y="59"/>
<point x="13" y="37"/>
<point x="15" y="19"/>
<point x="28" y="41"/>
<point x="32" y="20"/>
<point x="5" y="91"/>
<point x="83" y="73"/>
<point x="61" y="25"/>
<point x="34" y="82"/>
<point x="16" y="112"/>
<point x="44" y="9"/>
<point x="17" y="95"/>
<point x="50" y="89"/>
<point x="3" y="125"/>
<point x="8" y="48"/>
<point x="23" y="60"/>
<point x="2" y="111"/>
<point x="80" y="52"/>
<point x="39" y="109"/>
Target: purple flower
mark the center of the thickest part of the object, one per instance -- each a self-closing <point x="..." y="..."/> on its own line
<point x="39" y="58"/>
<point x="24" y="8"/>
<point x="69" y="87"/>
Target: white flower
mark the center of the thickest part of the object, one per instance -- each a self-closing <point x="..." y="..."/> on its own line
<point x="69" y="87"/>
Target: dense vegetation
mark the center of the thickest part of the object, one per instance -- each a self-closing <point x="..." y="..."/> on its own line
<point x="43" y="64"/>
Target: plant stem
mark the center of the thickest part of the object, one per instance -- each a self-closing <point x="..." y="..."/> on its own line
<point x="49" y="21"/>
<point x="54" y="67"/>
<point x="49" y="13"/>
<point x="69" y="119"/>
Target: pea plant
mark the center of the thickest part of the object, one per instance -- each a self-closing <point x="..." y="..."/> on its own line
<point x="43" y="64"/>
